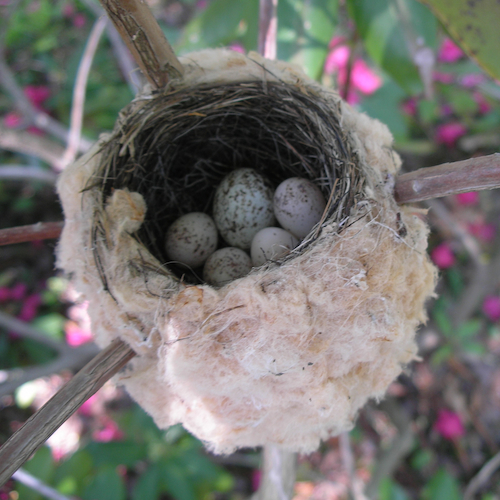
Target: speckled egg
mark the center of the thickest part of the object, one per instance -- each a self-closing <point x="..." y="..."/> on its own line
<point x="243" y="205"/>
<point x="271" y="243"/>
<point x="226" y="265"/>
<point x="191" y="239"/>
<point x="298" y="205"/>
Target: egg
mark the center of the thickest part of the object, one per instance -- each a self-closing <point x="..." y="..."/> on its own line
<point x="191" y="239"/>
<point x="271" y="243"/>
<point x="298" y="205"/>
<point x="243" y="205"/>
<point x="226" y="265"/>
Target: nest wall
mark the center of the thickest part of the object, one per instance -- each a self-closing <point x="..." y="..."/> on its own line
<point x="289" y="353"/>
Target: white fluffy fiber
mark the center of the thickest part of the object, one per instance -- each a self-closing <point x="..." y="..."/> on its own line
<point x="289" y="353"/>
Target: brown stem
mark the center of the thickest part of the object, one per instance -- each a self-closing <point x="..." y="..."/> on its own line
<point x="39" y="231"/>
<point x="449" y="178"/>
<point x="145" y="39"/>
<point x="40" y="426"/>
<point x="268" y="26"/>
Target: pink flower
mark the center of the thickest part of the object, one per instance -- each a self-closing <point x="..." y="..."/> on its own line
<point x="18" y="291"/>
<point x="79" y="20"/>
<point x="30" y="307"/>
<point x="483" y="105"/>
<point x="468" y="199"/>
<point x="237" y="47"/>
<point x="75" y="335"/>
<point x="449" y="52"/>
<point x="442" y="77"/>
<point x="5" y="294"/>
<point x="12" y="120"/>
<point x="68" y="10"/>
<point x="472" y="80"/>
<point x="410" y="106"/>
<point x="110" y="432"/>
<point x="449" y="133"/>
<point x="443" y="256"/>
<point x="37" y="94"/>
<point x="491" y="307"/>
<point x="88" y="408"/>
<point x="337" y="59"/>
<point x="364" y="79"/>
<point x="482" y="231"/>
<point x="256" y="479"/>
<point x="449" y="425"/>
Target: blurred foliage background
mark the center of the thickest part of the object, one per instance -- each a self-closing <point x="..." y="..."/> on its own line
<point x="406" y="63"/>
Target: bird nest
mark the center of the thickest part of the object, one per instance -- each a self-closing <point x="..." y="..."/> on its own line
<point x="289" y="353"/>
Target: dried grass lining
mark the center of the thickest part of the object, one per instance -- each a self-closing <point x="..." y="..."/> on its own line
<point x="180" y="145"/>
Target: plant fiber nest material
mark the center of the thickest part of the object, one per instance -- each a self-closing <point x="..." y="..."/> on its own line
<point x="289" y="353"/>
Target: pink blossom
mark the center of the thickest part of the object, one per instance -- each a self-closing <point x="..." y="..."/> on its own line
<point x="449" y="52"/>
<point x="472" y="80"/>
<point x="75" y="335"/>
<point x="202" y="4"/>
<point x="491" y="307"/>
<point x="446" y="110"/>
<point x="88" y="408"/>
<point x="442" y="77"/>
<point x="449" y="425"/>
<point x="483" y="231"/>
<point x="18" y="291"/>
<point x="68" y="10"/>
<point x="110" y="432"/>
<point x="37" y="94"/>
<point x="483" y="105"/>
<point x="337" y="59"/>
<point x="410" y="106"/>
<point x="468" y="199"/>
<point x="237" y="47"/>
<point x="364" y="79"/>
<point x="79" y="20"/>
<point x="449" y="133"/>
<point x="443" y="256"/>
<point x="12" y="120"/>
<point x="256" y="479"/>
<point x="30" y="307"/>
<point x="5" y="294"/>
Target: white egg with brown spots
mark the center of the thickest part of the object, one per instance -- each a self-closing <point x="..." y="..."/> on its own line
<point x="298" y="205"/>
<point x="191" y="239"/>
<point x="226" y="265"/>
<point x="271" y="243"/>
<point x="243" y="205"/>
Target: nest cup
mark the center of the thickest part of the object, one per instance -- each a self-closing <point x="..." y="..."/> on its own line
<point x="289" y="353"/>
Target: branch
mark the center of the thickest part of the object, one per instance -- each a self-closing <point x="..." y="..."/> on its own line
<point x="40" y="426"/>
<point x="449" y="178"/>
<point x="20" y="141"/>
<point x="40" y="487"/>
<point x="482" y="477"/>
<point x="34" y="232"/>
<point x="25" y="172"/>
<point x="145" y="39"/>
<point x="268" y="27"/>
<point x="78" y="103"/>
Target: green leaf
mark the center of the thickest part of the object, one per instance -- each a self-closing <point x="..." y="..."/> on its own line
<point x="384" y="105"/>
<point x="40" y="466"/>
<point x="52" y="324"/>
<point x="442" y="485"/>
<point x="149" y="484"/>
<point x="386" y="37"/>
<point x="475" y="348"/>
<point x="105" y="485"/>
<point x="443" y="321"/>
<point x="304" y="32"/>
<point x="474" y="26"/>
<point x="71" y="475"/>
<point x="389" y="490"/>
<point x="469" y="328"/>
<point x="177" y="483"/>
<point x="442" y="354"/>
<point x="422" y="458"/>
<point x="116" y="453"/>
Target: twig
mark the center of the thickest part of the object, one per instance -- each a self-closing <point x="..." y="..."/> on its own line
<point x="35" y="117"/>
<point x="482" y="477"/>
<point x="40" y="426"/>
<point x="268" y="28"/>
<point x="78" y="103"/>
<point x="40" y="487"/>
<point x="25" y="172"/>
<point x="449" y="178"/>
<point x="34" y="232"/>
<point x="145" y="39"/>
<point x="278" y="474"/>
<point x="355" y="487"/>
<point x="388" y="460"/>
<point x="23" y="142"/>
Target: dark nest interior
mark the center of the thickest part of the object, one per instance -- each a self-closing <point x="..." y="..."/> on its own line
<point x="181" y="144"/>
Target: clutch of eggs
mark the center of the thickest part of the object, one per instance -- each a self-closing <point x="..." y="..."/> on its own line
<point x="246" y="208"/>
